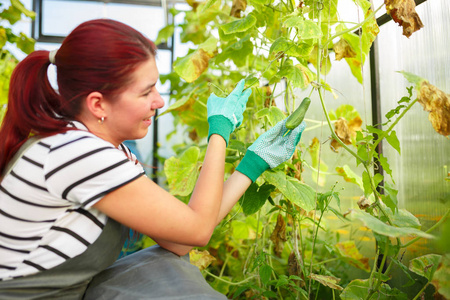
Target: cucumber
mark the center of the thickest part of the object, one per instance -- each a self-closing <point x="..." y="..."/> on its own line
<point x="296" y="118"/>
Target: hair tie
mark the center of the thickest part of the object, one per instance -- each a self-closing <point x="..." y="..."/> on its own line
<point x="51" y="56"/>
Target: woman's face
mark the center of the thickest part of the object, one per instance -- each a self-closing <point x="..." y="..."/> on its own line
<point x="129" y="116"/>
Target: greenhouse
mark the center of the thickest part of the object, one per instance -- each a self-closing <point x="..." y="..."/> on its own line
<point x="218" y="149"/>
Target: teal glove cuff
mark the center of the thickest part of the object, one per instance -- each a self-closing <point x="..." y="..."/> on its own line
<point x="220" y="125"/>
<point x="252" y="165"/>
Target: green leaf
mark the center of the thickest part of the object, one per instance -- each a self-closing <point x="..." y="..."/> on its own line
<point x="182" y="172"/>
<point x="393" y="141"/>
<point x="241" y="230"/>
<point x="425" y="265"/>
<point x="359" y="289"/>
<point x="412" y="78"/>
<point x="387" y="230"/>
<point x="164" y="34"/>
<point x="265" y="271"/>
<point x="402" y="267"/>
<point x="384" y="164"/>
<point x="25" y="43"/>
<point x="282" y="44"/>
<point x="208" y="4"/>
<point x="295" y="191"/>
<point x="272" y="113"/>
<point x="306" y="29"/>
<point x="366" y="183"/>
<point x="240" y="25"/>
<point x="317" y="163"/>
<point x="293" y="74"/>
<point x="255" y="197"/>
<point x="17" y="4"/>
<point x="390" y="197"/>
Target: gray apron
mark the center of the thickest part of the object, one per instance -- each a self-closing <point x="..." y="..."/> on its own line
<point x="152" y="273"/>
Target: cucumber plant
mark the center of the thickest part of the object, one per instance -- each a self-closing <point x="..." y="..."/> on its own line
<point x="276" y="243"/>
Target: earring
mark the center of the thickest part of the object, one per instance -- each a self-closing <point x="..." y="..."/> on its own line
<point x="101" y="120"/>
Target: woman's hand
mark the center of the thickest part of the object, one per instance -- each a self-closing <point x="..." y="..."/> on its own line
<point x="270" y="150"/>
<point x="226" y="114"/>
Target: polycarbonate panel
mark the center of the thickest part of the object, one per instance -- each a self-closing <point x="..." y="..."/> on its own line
<point x="423" y="165"/>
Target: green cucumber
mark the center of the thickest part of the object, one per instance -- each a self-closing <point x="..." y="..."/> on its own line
<point x="296" y="118"/>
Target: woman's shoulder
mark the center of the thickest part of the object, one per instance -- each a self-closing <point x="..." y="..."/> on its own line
<point x="77" y="137"/>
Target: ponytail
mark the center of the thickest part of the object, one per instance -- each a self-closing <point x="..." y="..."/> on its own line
<point x="33" y="106"/>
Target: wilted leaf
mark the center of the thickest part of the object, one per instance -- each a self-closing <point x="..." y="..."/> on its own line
<point x="350" y="176"/>
<point x="346" y="131"/>
<point x="238" y="7"/>
<point x="441" y="278"/>
<point x="193" y="65"/>
<point x="295" y="191"/>
<point x="349" y="250"/>
<point x="182" y="172"/>
<point x="404" y="13"/>
<point x="343" y="50"/>
<point x="438" y="104"/>
<point x="329" y="281"/>
<point x="201" y="259"/>
<point x="278" y="235"/>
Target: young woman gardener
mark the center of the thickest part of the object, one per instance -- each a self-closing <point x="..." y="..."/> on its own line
<point x="69" y="187"/>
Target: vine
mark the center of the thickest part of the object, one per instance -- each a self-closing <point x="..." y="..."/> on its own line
<point x="276" y="243"/>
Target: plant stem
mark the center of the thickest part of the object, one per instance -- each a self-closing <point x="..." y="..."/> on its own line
<point x="227" y="281"/>
<point x="333" y="134"/>
<point x="421" y="291"/>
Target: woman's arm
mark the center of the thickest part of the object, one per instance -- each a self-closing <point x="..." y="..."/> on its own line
<point x="147" y="208"/>
<point x="233" y="189"/>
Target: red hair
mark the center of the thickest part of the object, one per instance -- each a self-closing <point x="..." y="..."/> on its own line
<point x="98" y="55"/>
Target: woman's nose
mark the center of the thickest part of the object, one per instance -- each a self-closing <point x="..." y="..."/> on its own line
<point x="158" y="102"/>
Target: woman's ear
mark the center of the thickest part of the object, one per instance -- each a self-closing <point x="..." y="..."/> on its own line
<point x="95" y="103"/>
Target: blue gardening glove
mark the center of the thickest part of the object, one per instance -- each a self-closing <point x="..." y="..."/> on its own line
<point x="226" y="114"/>
<point x="270" y="150"/>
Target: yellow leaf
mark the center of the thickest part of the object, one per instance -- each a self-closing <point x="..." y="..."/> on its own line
<point x="404" y="13"/>
<point x="238" y="7"/>
<point x="329" y="281"/>
<point x="343" y="50"/>
<point x="438" y="104"/>
<point x="201" y="259"/>
<point x="348" y="249"/>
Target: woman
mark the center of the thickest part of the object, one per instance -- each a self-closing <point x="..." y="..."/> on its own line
<point x="69" y="186"/>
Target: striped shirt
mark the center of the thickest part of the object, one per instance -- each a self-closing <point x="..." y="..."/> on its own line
<point x="46" y="213"/>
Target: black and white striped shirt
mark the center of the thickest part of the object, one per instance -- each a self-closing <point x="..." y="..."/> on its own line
<point x="46" y="213"/>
